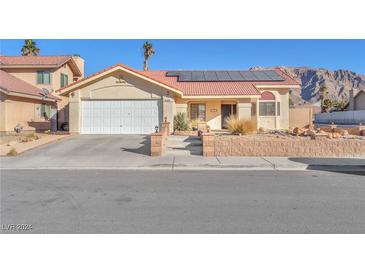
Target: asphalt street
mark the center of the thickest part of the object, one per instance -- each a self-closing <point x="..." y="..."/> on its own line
<point x="163" y="201"/>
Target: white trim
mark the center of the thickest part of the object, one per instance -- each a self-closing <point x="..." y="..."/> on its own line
<point x="83" y="82"/>
<point x="221" y="97"/>
<point x="277" y="86"/>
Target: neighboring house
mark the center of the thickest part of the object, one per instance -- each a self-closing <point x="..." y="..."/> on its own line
<point x="24" y="105"/>
<point x="121" y="100"/>
<point x="354" y="113"/>
<point x="45" y="73"/>
<point x="356" y="102"/>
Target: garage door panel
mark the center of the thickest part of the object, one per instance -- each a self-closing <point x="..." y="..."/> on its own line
<point x="119" y="117"/>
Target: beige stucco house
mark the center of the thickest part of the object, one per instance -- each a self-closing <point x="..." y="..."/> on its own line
<point x="27" y="90"/>
<point x="122" y="100"/>
<point x="23" y="105"/>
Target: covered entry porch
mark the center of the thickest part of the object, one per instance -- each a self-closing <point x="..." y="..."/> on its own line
<point x="215" y="111"/>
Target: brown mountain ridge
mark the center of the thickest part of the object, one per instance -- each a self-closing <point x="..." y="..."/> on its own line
<point x="338" y="83"/>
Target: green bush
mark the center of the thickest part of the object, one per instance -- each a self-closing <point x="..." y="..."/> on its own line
<point x="181" y="122"/>
<point x="12" y="152"/>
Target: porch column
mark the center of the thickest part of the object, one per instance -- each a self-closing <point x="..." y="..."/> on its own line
<point x="181" y="108"/>
<point x="168" y="111"/>
<point x="74" y="112"/>
<point x="244" y="111"/>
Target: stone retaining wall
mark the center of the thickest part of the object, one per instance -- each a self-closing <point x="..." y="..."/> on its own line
<point x="285" y="147"/>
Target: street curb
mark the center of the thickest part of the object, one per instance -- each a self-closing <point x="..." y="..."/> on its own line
<point x="347" y="168"/>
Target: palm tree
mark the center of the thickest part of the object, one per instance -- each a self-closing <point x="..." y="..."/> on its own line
<point x="30" y="48"/>
<point x="323" y="94"/>
<point x="148" y="51"/>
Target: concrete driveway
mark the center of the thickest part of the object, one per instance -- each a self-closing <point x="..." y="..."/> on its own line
<point x="86" y="151"/>
<point x="133" y="152"/>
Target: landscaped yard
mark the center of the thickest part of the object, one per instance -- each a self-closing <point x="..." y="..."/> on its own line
<point x="12" y="144"/>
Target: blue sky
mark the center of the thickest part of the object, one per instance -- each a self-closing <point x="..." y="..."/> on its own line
<point x="206" y="54"/>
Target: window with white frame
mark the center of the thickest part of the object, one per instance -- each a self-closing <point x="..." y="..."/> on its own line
<point x="268" y="106"/>
<point x="267" y="109"/>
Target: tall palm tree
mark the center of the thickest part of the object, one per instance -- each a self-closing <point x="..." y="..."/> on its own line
<point x="148" y="51"/>
<point x="323" y="92"/>
<point x="30" y="48"/>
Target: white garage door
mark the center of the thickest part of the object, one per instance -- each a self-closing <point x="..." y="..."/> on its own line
<point x="119" y="117"/>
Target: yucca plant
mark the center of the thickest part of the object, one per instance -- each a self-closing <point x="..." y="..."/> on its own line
<point x="181" y="122"/>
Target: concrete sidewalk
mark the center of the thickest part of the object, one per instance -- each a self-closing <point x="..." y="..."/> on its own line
<point x="188" y="163"/>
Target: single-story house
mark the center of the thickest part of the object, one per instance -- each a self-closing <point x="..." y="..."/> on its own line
<point x="122" y="100"/>
<point x="22" y="104"/>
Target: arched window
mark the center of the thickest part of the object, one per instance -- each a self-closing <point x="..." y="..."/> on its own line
<point x="268" y="105"/>
<point x="267" y="96"/>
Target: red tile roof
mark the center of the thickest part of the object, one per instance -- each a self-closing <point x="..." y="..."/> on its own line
<point x="33" y="60"/>
<point x="10" y="83"/>
<point x="201" y="88"/>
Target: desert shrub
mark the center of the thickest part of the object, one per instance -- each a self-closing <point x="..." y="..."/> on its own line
<point x="194" y="124"/>
<point x="32" y="136"/>
<point x="181" y="122"/>
<point x="240" y="126"/>
<point x="12" y="152"/>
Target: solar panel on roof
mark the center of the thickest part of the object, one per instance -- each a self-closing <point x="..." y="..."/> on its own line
<point x="210" y="76"/>
<point x="197" y="76"/>
<point x="235" y="75"/>
<point x="261" y="75"/>
<point x="247" y="76"/>
<point x="223" y="76"/>
<point x="185" y="76"/>
<point x="274" y="75"/>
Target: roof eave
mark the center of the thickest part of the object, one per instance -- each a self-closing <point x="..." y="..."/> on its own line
<point x="25" y="95"/>
<point x="220" y="96"/>
<point x="76" y="85"/>
<point x="277" y="86"/>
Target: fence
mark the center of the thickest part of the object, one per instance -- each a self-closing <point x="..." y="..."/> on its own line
<point x="341" y="117"/>
<point x="300" y="117"/>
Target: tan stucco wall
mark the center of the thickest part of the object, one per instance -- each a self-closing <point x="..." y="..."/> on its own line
<point x="29" y="75"/>
<point x="300" y="117"/>
<point x="276" y="122"/>
<point x="118" y="86"/>
<point x="23" y="111"/>
<point x="359" y="103"/>
<point x="213" y="109"/>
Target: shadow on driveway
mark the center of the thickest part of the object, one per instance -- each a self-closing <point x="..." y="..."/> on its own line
<point x="144" y="148"/>
<point x="340" y="165"/>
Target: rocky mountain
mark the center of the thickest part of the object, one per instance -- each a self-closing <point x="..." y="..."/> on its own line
<point x="338" y="83"/>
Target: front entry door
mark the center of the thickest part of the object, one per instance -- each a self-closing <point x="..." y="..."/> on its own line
<point x="226" y="111"/>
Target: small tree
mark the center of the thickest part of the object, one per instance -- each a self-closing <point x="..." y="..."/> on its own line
<point x="339" y="105"/>
<point x="30" y="48"/>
